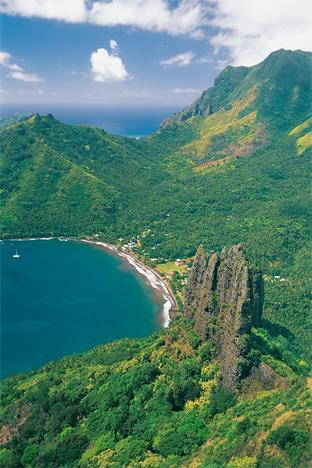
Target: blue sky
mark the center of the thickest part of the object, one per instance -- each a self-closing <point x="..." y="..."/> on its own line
<point x="137" y="52"/>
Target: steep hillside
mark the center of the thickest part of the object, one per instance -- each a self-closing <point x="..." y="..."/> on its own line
<point x="281" y="85"/>
<point x="59" y="179"/>
<point x="49" y="189"/>
<point x="246" y="107"/>
<point x="303" y="135"/>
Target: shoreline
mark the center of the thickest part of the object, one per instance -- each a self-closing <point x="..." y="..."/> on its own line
<point x="152" y="276"/>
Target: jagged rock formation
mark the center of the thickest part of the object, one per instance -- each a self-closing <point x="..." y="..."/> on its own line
<point x="224" y="300"/>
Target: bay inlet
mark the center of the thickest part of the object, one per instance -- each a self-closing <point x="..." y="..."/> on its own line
<point x="60" y="298"/>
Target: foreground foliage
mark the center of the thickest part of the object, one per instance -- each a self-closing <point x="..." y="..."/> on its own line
<point x="156" y="402"/>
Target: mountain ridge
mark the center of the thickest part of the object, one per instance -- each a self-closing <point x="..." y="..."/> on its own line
<point x="231" y="80"/>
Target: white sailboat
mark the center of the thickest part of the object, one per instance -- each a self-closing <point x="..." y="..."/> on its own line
<point x="16" y="255"/>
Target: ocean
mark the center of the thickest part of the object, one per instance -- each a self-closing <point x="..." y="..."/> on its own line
<point x="61" y="298"/>
<point x="132" y="122"/>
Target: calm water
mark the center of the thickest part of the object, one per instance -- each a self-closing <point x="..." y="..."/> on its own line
<point x="133" y="122"/>
<point x="64" y="297"/>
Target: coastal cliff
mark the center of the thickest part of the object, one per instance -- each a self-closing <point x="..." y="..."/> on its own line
<point x="224" y="301"/>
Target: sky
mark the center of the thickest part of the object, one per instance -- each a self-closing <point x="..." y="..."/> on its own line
<point x="136" y="53"/>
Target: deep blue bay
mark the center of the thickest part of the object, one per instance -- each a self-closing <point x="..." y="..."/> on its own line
<point x="60" y="298"/>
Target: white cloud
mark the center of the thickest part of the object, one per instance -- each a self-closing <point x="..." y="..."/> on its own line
<point x="16" y="72"/>
<point x="179" y="60"/>
<point x="186" y="17"/>
<point x="113" y="44"/>
<point x="246" y="30"/>
<point x="204" y="60"/>
<point x="22" y="76"/>
<point x="71" y="11"/>
<point x="15" y="67"/>
<point x="5" y="58"/>
<point x="154" y="15"/>
<point x="250" y="30"/>
<point x="185" y="91"/>
<point x="107" y="67"/>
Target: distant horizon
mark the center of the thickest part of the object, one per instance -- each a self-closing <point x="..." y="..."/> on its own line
<point x="131" y="121"/>
<point x="47" y="105"/>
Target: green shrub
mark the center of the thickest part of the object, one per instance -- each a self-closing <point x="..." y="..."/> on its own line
<point x="181" y="392"/>
<point x="129" y="450"/>
<point x="221" y="400"/>
<point x="5" y="456"/>
<point x="180" y="439"/>
<point x="71" y="448"/>
<point x="30" y="453"/>
<point x="292" y="440"/>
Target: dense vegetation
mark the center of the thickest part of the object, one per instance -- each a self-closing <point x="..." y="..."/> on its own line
<point x="234" y="167"/>
<point x="157" y="402"/>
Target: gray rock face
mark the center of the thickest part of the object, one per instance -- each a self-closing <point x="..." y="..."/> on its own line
<point x="224" y="300"/>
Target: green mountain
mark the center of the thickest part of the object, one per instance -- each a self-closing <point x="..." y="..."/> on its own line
<point x="246" y="107"/>
<point x="280" y="89"/>
<point x="232" y="168"/>
<point x="60" y="179"/>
